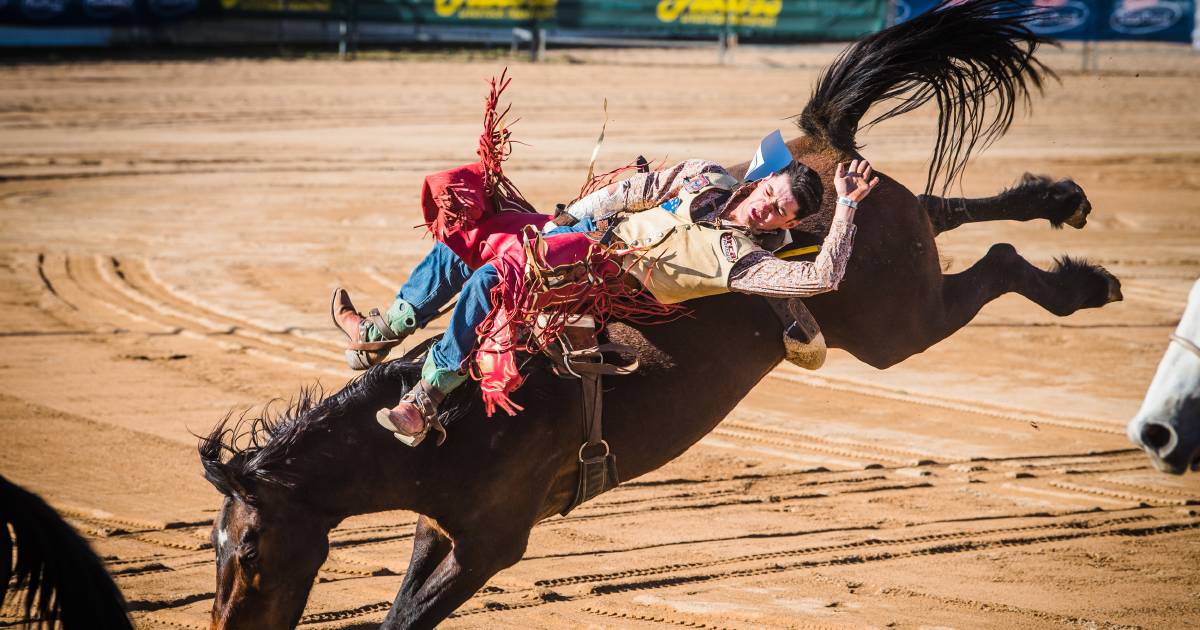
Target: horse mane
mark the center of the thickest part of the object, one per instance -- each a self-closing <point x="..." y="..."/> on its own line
<point x="243" y="449"/>
<point x="64" y="581"/>
<point x="957" y="55"/>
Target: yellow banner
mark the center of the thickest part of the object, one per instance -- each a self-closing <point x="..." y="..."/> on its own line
<point x="496" y="9"/>
<point x="750" y="13"/>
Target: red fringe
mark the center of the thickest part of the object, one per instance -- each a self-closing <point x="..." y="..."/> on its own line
<point x="495" y="146"/>
<point x="530" y="284"/>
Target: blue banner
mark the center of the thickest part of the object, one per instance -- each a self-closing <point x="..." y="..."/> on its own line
<point x="1154" y="20"/>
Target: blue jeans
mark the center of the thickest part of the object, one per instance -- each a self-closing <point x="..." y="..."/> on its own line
<point x="442" y="274"/>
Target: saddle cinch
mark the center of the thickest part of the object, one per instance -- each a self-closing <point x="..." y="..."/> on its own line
<point x="577" y="352"/>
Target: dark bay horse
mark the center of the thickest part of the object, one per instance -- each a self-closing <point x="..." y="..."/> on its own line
<point x="55" y="577"/>
<point x="481" y="493"/>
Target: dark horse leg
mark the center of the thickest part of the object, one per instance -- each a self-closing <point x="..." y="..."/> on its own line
<point x="1071" y="285"/>
<point x="471" y="562"/>
<point x="911" y="322"/>
<point x="1034" y="197"/>
<point x="430" y="547"/>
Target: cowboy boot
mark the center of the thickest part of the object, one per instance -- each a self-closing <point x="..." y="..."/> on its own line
<point x="416" y="415"/>
<point x="373" y="336"/>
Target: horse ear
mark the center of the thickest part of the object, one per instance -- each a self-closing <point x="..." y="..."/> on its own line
<point x="226" y="481"/>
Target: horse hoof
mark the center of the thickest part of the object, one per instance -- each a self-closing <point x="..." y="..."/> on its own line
<point x="1079" y="219"/>
<point x="1114" y="287"/>
<point x="1070" y="194"/>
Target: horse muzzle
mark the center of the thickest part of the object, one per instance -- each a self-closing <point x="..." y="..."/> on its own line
<point x="1162" y="443"/>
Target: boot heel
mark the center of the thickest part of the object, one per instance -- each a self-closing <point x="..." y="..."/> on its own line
<point x="384" y="421"/>
<point x="363" y="359"/>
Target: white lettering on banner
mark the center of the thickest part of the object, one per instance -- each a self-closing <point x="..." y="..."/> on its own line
<point x="496" y="9"/>
<point x="172" y="8"/>
<point x="752" y="13"/>
<point x="1141" y="17"/>
<point x="1058" y="16"/>
<point x="107" y="8"/>
<point x="43" y="9"/>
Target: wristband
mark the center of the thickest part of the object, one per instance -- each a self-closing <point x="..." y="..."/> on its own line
<point x="848" y="202"/>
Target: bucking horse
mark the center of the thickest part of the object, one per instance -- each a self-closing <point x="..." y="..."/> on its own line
<point x="302" y="472"/>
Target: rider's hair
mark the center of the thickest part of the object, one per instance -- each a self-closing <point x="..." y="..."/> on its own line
<point x="806" y="188"/>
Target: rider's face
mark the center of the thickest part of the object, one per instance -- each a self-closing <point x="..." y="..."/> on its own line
<point x="770" y="206"/>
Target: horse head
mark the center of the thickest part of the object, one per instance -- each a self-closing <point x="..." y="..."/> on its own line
<point x="269" y="544"/>
<point x="1168" y="424"/>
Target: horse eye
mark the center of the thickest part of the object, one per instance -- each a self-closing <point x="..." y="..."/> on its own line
<point x="248" y="554"/>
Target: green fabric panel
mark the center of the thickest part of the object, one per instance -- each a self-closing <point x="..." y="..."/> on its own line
<point x="400" y="317"/>
<point x="443" y="379"/>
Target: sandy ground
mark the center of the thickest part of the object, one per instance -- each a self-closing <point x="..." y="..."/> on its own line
<point x="169" y="234"/>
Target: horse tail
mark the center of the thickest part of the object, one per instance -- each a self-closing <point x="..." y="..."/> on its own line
<point x="962" y="56"/>
<point x="64" y="580"/>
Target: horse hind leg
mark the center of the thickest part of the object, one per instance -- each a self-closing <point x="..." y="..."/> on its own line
<point x="1069" y="286"/>
<point x="1034" y="197"/>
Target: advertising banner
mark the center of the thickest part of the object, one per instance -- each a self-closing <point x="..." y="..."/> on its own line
<point x="790" y="19"/>
<point x="95" y="12"/>
<point x="1153" y="20"/>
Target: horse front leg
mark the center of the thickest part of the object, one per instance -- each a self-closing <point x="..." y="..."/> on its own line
<point x="430" y="547"/>
<point x="471" y="562"/>
<point x="1034" y="197"/>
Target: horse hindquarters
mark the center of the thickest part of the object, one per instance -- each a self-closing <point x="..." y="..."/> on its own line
<point x="895" y="302"/>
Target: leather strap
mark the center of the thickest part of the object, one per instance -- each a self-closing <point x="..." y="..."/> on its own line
<point x="1188" y="344"/>
<point x="593" y="408"/>
<point x="381" y="324"/>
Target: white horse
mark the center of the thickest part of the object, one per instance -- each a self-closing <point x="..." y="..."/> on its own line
<point x="1168" y="424"/>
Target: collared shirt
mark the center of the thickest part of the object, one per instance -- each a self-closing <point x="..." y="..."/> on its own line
<point x="760" y="272"/>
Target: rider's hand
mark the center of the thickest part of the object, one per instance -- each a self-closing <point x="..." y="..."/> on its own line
<point x="856" y="182"/>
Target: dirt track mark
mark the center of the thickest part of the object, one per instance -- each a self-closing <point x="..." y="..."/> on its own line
<point x="149" y="279"/>
<point x="955" y="547"/>
<point x="672" y="620"/>
<point x="704" y="502"/>
<point x="1119" y="494"/>
<point x="777" y="440"/>
<point x="801" y="551"/>
<point x="904" y="457"/>
<point x="964" y="406"/>
<point x="961" y="546"/>
<point x="105" y="285"/>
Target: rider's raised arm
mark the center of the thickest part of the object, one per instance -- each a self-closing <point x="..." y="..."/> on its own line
<point x="761" y="273"/>
<point x="640" y="191"/>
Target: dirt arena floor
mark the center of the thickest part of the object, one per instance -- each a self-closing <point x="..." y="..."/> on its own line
<point x="170" y="234"/>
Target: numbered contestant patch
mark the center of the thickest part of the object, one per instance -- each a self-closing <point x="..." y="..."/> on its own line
<point x="728" y="248"/>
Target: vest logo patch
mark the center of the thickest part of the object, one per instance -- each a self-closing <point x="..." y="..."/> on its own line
<point x="728" y="247"/>
<point x="695" y="184"/>
<point x="672" y="204"/>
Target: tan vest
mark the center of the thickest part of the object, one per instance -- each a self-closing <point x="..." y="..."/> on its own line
<point x="677" y="259"/>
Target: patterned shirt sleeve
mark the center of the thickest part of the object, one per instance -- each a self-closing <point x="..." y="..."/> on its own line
<point x="641" y="191"/>
<point x="761" y="273"/>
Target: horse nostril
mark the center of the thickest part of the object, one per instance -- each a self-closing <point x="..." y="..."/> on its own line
<point x="1156" y="436"/>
